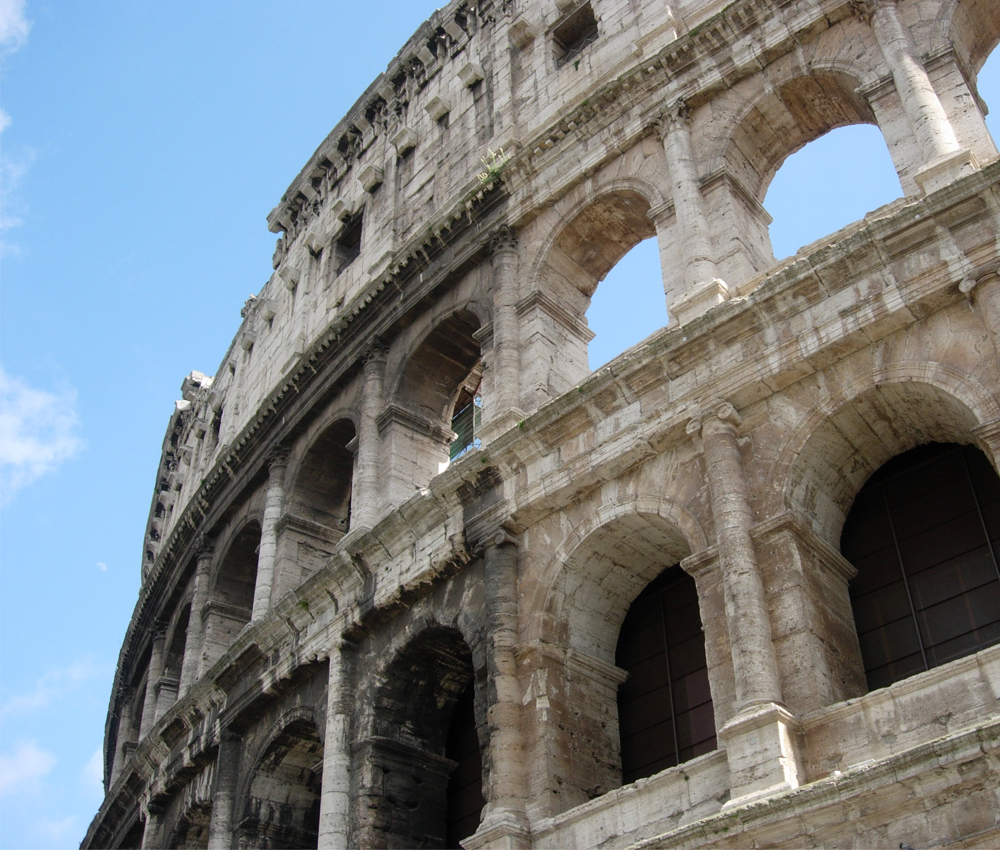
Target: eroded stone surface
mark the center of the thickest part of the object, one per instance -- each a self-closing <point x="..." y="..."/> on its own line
<point x="321" y="585"/>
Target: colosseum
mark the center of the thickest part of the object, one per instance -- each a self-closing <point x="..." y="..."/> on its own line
<point x="414" y="576"/>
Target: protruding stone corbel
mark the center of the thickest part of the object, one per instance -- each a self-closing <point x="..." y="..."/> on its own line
<point x="470" y="74"/>
<point x="370" y="177"/>
<point x="437" y="107"/>
<point x="290" y="276"/>
<point x="403" y="140"/>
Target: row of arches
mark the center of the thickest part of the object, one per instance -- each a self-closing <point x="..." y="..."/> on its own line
<point x="923" y="533"/>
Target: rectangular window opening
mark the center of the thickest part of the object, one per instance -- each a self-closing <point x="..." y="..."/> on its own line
<point x="349" y="243"/>
<point x="574" y="34"/>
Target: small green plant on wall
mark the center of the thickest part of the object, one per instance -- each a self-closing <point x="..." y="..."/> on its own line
<point x="495" y="162"/>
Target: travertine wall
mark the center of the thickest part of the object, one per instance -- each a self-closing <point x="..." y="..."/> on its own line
<point x="320" y="584"/>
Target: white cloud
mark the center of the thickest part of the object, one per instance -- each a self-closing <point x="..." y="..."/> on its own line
<point x="37" y="433"/>
<point x="52" y="686"/>
<point x="62" y="832"/>
<point x="22" y="770"/>
<point x="92" y="775"/>
<point x="14" y="27"/>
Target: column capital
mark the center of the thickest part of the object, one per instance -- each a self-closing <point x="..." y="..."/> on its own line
<point x="374" y="353"/>
<point x="502" y="538"/>
<point x="863" y="10"/>
<point x="983" y="274"/>
<point x="277" y="458"/>
<point x="720" y="411"/>
<point x="504" y="239"/>
<point x="204" y="546"/>
<point x="676" y="115"/>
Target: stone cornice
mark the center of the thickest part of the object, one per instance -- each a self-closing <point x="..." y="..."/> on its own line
<point x="347" y="595"/>
<point x="461" y="233"/>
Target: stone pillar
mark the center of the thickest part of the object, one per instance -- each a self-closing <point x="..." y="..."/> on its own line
<point x="152" y="835"/>
<point x="503" y="409"/>
<point x="504" y="823"/>
<point x="124" y="728"/>
<point x="335" y="802"/>
<point x="273" y="503"/>
<point x="366" y="501"/>
<point x="220" y="826"/>
<point x="159" y="634"/>
<point x="760" y="739"/>
<point x="942" y="156"/>
<point x="191" y="665"/>
<point x="703" y="288"/>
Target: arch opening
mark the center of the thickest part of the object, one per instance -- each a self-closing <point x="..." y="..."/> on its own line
<point x="282" y="809"/>
<point x="323" y="488"/>
<point x="230" y="602"/>
<point x="790" y="116"/>
<point x="173" y="661"/>
<point x="583" y="254"/>
<point x="861" y="435"/>
<point x="607" y="571"/>
<point x="665" y="710"/>
<point x="436" y="413"/>
<point x="237" y="576"/>
<point x="923" y="533"/>
<point x="586" y="607"/>
<point x="628" y="305"/>
<point x="424" y="753"/>
<point x="832" y="181"/>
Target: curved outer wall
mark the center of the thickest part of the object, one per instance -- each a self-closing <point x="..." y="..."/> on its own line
<point x="320" y="583"/>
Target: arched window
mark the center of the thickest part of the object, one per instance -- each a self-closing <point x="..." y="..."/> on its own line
<point x="230" y="603"/>
<point x="322" y="492"/>
<point x="665" y="712"/>
<point x="282" y="809"/>
<point x="923" y="533"/>
<point x="628" y="305"/>
<point x="434" y="413"/>
<point x="423" y="759"/>
<point x="848" y="173"/>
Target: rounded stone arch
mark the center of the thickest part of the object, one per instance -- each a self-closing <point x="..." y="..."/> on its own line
<point x="191" y="830"/>
<point x="447" y="344"/>
<point x="972" y="26"/>
<point x="231" y="588"/>
<point x="583" y="596"/>
<point x="177" y="638"/>
<point x="840" y="442"/>
<point x="406" y="760"/>
<point x="466" y="625"/>
<point x="591" y="237"/>
<point x="320" y="475"/>
<point x="242" y="542"/>
<point x="279" y="796"/>
<point x="783" y="115"/>
<point x="438" y="375"/>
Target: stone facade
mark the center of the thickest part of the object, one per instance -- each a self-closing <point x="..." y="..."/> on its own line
<point x="321" y="586"/>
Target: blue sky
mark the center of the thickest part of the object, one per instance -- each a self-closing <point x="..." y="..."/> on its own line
<point x="143" y="144"/>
